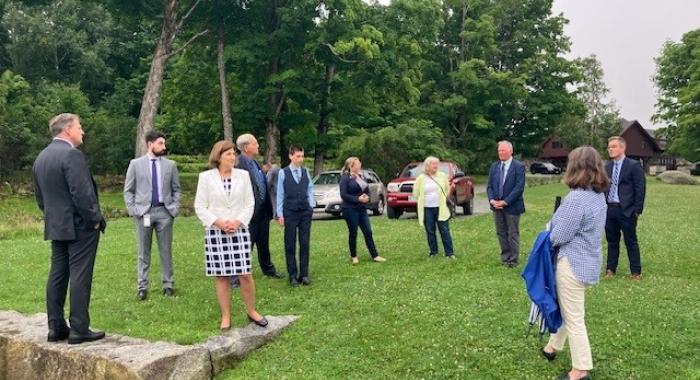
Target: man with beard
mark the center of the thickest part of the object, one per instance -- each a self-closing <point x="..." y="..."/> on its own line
<point x="152" y="197"/>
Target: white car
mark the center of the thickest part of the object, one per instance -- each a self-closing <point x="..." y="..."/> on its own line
<point x="327" y="192"/>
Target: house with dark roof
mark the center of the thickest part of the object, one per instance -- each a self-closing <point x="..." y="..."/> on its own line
<point x="641" y="146"/>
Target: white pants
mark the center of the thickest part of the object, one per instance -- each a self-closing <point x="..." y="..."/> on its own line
<point x="571" y="294"/>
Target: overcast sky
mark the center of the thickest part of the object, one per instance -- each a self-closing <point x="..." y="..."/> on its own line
<point x="626" y="36"/>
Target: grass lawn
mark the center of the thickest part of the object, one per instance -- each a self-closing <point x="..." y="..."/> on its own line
<point x="411" y="317"/>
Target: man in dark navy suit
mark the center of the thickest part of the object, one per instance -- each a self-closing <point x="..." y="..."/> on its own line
<point x="259" y="226"/>
<point x="625" y="204"/>
<point x="505" y="191"/>
<point x="67" y="195"/>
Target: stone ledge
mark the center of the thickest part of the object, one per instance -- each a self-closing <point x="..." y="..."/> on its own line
<point x="25" y="353"/>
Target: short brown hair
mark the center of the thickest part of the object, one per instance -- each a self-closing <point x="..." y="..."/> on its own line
<point x="217" y="150"/>
<point x="619" y="139"/>
<point x="585" y="170"/>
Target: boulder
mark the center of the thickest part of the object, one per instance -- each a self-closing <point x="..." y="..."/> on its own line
<point x="25" y="353"/>
<point x="676" y="178"/>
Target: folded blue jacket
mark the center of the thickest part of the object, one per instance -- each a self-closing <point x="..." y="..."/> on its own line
<point x="540" y="281"/>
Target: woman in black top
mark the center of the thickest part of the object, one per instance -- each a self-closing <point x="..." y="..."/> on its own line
<point x="354" y="191"/>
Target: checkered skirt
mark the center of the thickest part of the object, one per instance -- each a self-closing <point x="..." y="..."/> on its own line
<point x="226" y="254"/>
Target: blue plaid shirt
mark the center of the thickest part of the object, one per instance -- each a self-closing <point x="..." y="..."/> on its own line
<point x="577" y="230"/>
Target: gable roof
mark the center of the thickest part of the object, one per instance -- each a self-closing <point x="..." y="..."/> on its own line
<point x="628" y="125"/>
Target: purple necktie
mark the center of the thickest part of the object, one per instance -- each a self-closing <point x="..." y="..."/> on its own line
<point x="154" y="183"/>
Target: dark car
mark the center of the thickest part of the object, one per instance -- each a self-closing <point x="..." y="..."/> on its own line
<point x="400" y="190"/>
<point x="696" y="169"/>
<point x="544" y="168"/>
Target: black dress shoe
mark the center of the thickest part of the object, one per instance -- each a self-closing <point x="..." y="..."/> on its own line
<point x="548" y="355"/>
<point x="56" y="335"/>
<point x="262" y="322"/>
<point x="274" y="275"/>
<point x="91" y="336"/>
<point x="305" y="281"/>
<point x="142" y="294"/>
<point x="565" y="376"/>
<point x="293" y="282"/>
<point x="168" y="292"/>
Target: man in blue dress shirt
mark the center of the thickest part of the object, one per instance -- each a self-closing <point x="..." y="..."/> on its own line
<point x="295" y="201"/>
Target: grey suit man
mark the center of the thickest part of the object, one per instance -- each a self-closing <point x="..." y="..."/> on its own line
<point x="152" y="197"/>
<point x="67" y="195"/>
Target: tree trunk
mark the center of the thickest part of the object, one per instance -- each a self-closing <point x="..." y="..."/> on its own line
<point x="225" y="105"/>
<point x="276" y="100"/>
<point x="163" y="52"/>
<point x="323" y="125"/>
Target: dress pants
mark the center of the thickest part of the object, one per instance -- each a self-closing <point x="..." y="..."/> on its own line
<point x="72" y="262"/>
<point x="615" y="223"/>
<point x="571" y="297"/>
<point x="162" y="223"/>
<point x="259" y="228"/>
<point x="508" y="233"/>
<point x="297" y="222"/>
<point x="355" y="217"/>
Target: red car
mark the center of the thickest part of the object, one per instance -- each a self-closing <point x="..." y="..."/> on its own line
<point x="400" y="190"/>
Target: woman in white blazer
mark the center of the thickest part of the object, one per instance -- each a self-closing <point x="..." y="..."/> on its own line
<point x="224" y="203"/>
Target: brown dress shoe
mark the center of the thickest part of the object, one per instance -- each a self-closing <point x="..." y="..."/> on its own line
<point x="636" y="277"/>
<point x="609" y="274"/>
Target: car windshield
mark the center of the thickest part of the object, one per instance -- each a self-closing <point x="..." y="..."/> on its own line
<point x="413" y="170"/>
<point x="327" y="179"/>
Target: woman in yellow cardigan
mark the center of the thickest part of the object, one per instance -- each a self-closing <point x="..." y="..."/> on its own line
<point x="430" y="191"/>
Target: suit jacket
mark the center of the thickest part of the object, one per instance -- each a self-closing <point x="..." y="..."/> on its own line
<point x="631" y="187"/>
<point x="350" y="192"/>
<point x="65" y="192"/>
<point x="137" y="186"/>
<point x="212" y="202"/>
<point x="264" y="206"/>
<point x="272" y="175"/>
<point x="513" y="187"/>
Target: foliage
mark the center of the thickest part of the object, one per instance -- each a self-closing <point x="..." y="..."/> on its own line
<point x="411" y="317"/>
<point x="678" y="80"/>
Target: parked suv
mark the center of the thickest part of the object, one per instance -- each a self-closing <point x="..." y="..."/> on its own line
<point x="544" y="168"/>
<point x="400" y="190"/>
<point x="327" y="192"/>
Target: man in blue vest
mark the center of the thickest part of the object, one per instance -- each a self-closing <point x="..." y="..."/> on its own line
<point x="505" y="191"/>
<point x="294" y="211"/>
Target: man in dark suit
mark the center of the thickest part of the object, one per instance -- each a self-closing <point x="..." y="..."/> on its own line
<point x="625" y="204"/>
<point x="505" y="191"/>
<point x="67" y="195"/>
<point x="259" y="226"/>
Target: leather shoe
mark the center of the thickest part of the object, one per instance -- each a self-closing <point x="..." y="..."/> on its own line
<point x="56" y="335"/>
<point x="293" y="282"/>
<point x="305" y="281"/>
<point x="262" y="322"/>
<point x="565" y="376"/>
<point x="274" y="275"/>
<point x="142" y="294"/>
<point x="609" y="274"/>
<point x="168" y="292"/>
<point x="636" y="277"/>
<point x="549" y="355"/>
<point x="91" y="336"/>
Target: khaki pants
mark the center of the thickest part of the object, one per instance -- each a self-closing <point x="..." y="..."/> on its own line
<point x="571" y="294"/>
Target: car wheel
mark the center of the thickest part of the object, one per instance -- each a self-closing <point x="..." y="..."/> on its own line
<point x="468" y="207"/>
<point x="393" y="213"/>
<point x="379" y="210"/>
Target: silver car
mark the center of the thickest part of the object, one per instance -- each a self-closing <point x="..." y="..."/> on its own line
<point x="327" y="192"/>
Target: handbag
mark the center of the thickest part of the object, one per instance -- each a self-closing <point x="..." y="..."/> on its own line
<point x="450" y="203"/>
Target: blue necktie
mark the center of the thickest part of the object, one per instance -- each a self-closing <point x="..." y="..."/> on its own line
<point x="613" y="185"/>
<point x="259" y="179"/>
<point x="297" y="175"/>
<point x="501" y="178"/>
<point x="154" y="183"/>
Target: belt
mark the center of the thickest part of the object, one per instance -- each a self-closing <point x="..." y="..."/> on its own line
<point x="158" y="204"/>
<point x="615" y="204"/>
